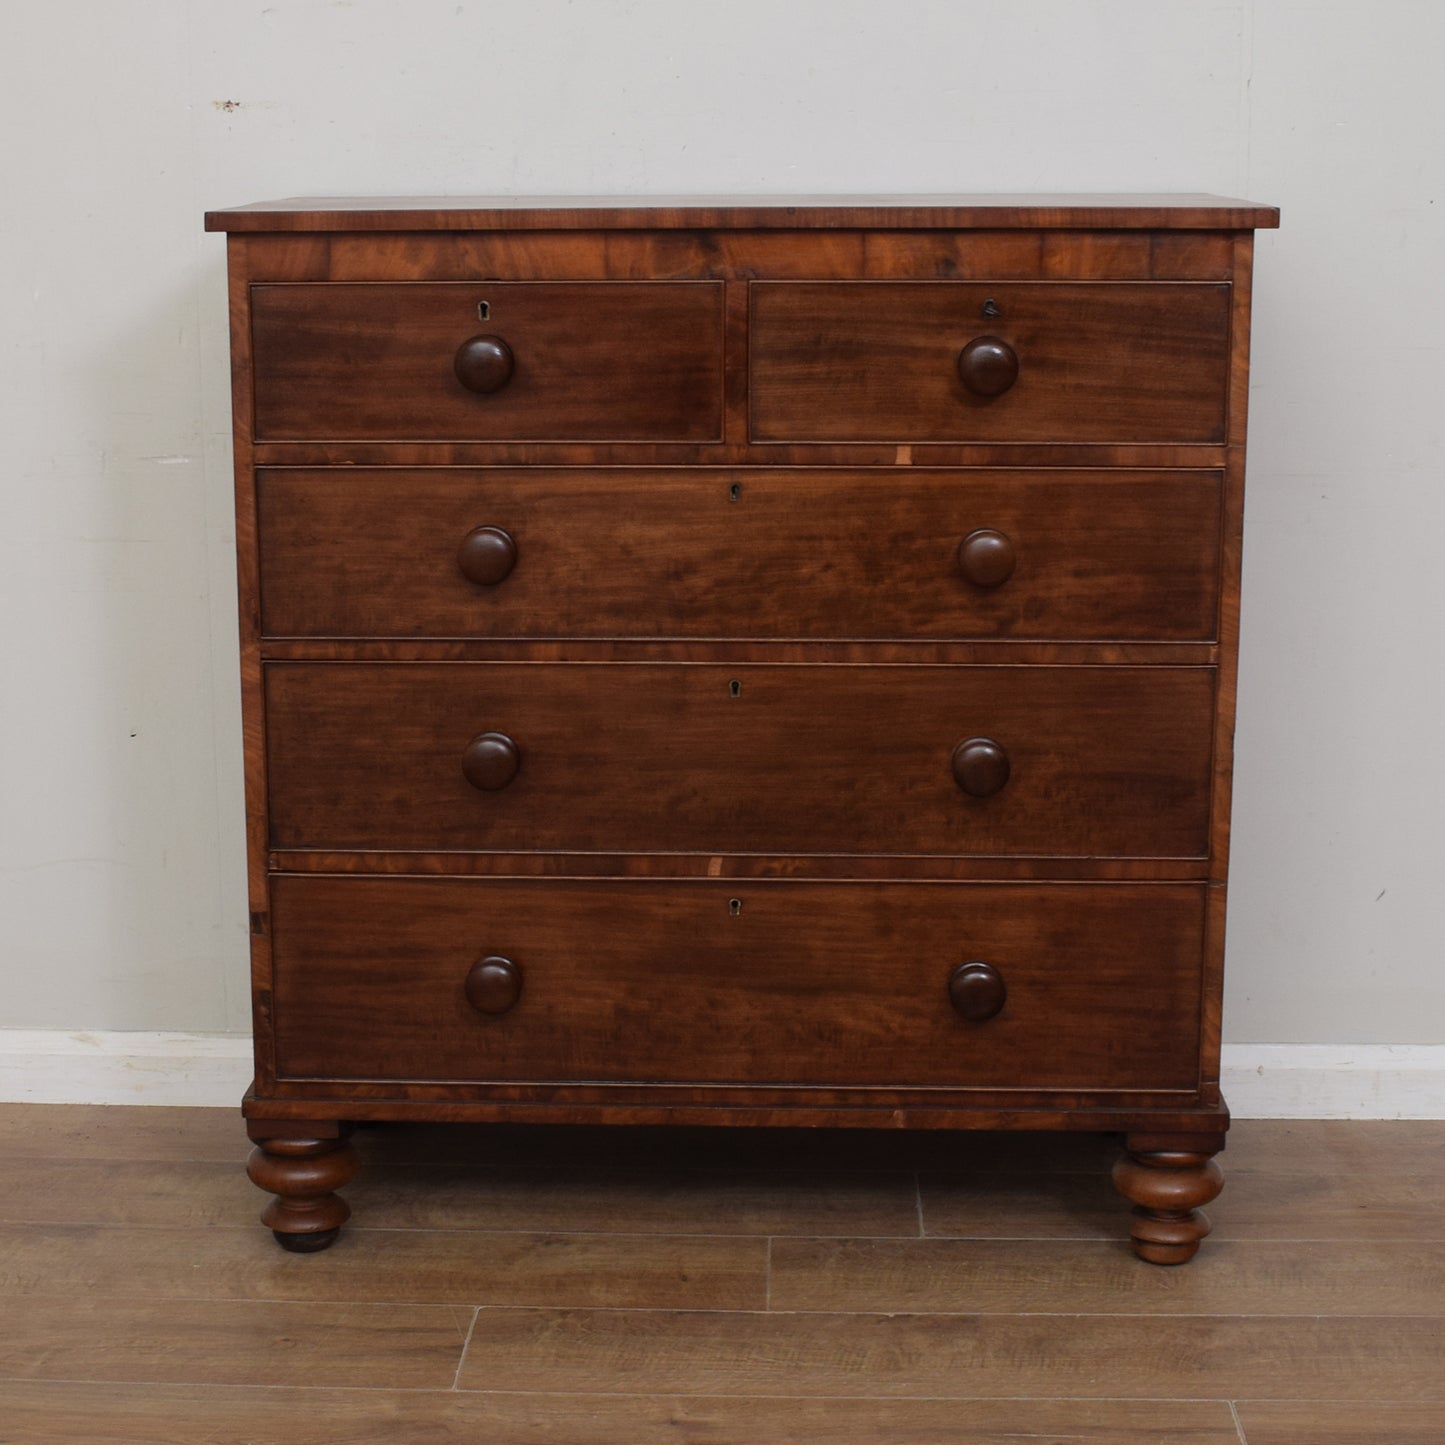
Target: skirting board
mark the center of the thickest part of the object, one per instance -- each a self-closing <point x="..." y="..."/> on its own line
<point x="56" y="1066"/>
<point x="1261" y="1081"/>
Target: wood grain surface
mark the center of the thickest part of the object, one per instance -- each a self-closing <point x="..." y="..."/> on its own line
<point x="1010" y="1276"/>
<point x="1099" y="556"/>
<point x="898" y="1355"/>
<point x="433" y="1328"/>
<point x="74" y="1336"/>
<point x="877" y="361"/>
<point x="1323" y="1204"/>
<point x="637" y="1270"/>
<point x="180" y="1415"/>
<point x="721" y="983"/>
<point x="993" y="254"/>
<point x="889" y="545"/>
<point x="667" y="758"/>
<point x="951" y="212"/>
<point x="1310" y="1422"/>
<point x="376" y="362"/>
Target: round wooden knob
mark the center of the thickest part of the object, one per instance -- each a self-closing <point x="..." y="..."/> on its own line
<point x="487" y="556"/>
<point x="988" y="366"/>
<point x="986" y="558"/>
<point x="494" y="984"/>
<point x="484" y="364"/>
<point x="980" y="767"/>
<point x="977" y="991"/>
<point x="491" y="761"/>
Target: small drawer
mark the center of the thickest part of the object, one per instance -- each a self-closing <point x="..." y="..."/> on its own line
<point x="669" y="757"/>
<point x="947" y="361"/>
<point x="1041" y="986"/>
<point x="488" y="361"/>
<point x="914" y="553"/>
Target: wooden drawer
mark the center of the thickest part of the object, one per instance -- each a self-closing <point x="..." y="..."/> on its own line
<point x="1096" y="362"/>
<point x="1095" y="555"/>
<point x="605" y="361"/>
<point x="1103" y="761"/>
<point x="790" y="983"/>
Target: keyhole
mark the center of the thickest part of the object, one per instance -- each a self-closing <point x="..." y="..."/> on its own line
<point x="735" y="688"/>
<point x="735" y="906"/>
<point x="735" y="491"/>
<point x="990" y="308"/>
<point x="484" y="310"/>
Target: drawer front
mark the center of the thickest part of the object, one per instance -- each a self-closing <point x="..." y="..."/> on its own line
<point x="607" y="361"/>
<point x="1088" y="761"/>
<point x="791" y="983"/>
<point x="897" y="361"/>
<point x="768" y="554"/>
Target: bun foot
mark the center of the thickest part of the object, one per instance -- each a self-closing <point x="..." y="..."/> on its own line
<point x="306" y="1214"/>
<point x="1168" y="1241"/>
<point x="1167" y="1186"/>
<point x="306" y="1243"/>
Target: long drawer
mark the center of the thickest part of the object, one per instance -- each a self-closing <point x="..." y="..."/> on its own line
<point x="1064" y="761"/>
<point x="561" y="361"/>
<point x="556" y="553"/>
<point x="1088" y="985"/>
<point x="923" y="361"/>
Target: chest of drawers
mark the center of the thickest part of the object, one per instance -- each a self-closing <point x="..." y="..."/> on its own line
<point x="751" y="662"/>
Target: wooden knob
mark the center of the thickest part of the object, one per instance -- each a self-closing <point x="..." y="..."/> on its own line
<point x="986" y="558"/>
<point x="491" y="761"/>
<point x="977" y="991"/>
<point x="980" y="767"/>
<point x="988" y="366"/>
<point x="484" y="364"/>
<point x="487" y="556"/>
<point x="494" y="984"/>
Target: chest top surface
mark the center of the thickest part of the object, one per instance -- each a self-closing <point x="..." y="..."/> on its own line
<point x="944" y="212"/>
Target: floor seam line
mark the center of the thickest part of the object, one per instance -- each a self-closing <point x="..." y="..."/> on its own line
<point x="1238" y="1426"/>
<point x="466" y="1344"/>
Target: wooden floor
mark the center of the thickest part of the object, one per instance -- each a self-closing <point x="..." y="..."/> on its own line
<point x="575" y="1287"/>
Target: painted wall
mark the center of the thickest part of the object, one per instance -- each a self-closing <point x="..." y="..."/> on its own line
<point x="120" y="801"/>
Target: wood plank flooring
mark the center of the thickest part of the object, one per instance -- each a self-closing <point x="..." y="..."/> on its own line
<point x="632" y="1287"/>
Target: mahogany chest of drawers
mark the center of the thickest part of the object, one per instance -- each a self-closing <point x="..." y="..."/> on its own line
<point x="750" y="662"/>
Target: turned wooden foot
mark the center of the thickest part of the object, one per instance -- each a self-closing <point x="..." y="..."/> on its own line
<point x="306" y="1215"/>
<point x="1168" y="1180"/>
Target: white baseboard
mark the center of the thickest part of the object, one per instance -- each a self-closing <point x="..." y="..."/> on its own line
<point x="1334" y="1081"/>
<point x="1260" y="1081"/>
<point x="54" y="1066"/>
